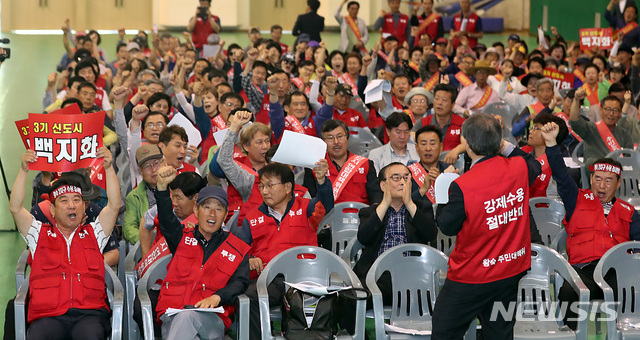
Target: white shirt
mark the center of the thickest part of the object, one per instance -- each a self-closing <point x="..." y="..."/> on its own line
<point x="34" y="234"/>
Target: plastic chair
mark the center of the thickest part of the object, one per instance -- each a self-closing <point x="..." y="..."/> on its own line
<point x="21" y="268"/>
<point x="361" y="141"/>
<point x="115" y="294"/>
<point x="625" y="260"/>
<point x="352" y="252"/>
<point x="158" y="270"/>
<point x="629" y="189"/>
<point x="414" y="296"/>
<point x="445" y="243"/>
<point x="548" y="214"/>
<point x="122" y="254"/>
<point x="559" y="244"/>
<point x="343" y="220"/>
<point x="540" y="318"/>
<point x="131" y="279"/>
<point x="232" y="223"/>
<point x="312" y="264"/>
<point x="459" y="163"/>
<point x="507" y="112"/>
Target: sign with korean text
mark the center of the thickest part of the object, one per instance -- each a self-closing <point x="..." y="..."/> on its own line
<point x="65" y="142"/>
<point x="23" y="130"/>
<point x="596" y="37"/>
<point x="561" y="80"/>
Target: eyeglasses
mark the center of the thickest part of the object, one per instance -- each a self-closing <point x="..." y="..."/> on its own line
<point x="337" y="137"/>
<point x="611" y="109"/>
<point x="153" y="165"/>
<point x="232" y="105"/>
<point x="398" y="177"/>
<point x="267" y="186"/>
<point x="535" y="128"/>
<point x="151" y="125"/>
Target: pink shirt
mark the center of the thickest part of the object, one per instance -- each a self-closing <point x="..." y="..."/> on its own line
<point x="469" y="96"/>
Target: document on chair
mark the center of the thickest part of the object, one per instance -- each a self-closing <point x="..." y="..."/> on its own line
<point x="395" y="329"/>
<point x="316" y="289"/>
<point x="298" y="149"/>
<point x="173" y="311"/>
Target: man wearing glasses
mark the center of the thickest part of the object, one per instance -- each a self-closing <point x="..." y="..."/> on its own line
<point x="353" y="177"/>
<point x="609" y="134"/>
<point x="281" y="222"/>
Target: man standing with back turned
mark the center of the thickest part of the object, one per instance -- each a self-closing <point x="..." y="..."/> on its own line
<point x="488" y="210"/>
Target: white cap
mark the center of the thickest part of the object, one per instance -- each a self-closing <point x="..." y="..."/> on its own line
<point x="373" y="91"/>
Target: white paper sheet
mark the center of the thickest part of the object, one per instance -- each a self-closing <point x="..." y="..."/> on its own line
<point x="174" y="311"/>
<point x="219" y="135"/>
<point x="568" y="161"/>
<point x="374" y="90"/>
<point x="315" y="289"/>
<point x="192" y="132"/>
<point x="395" y="329"/>
<point x="300" y="150"/>
<point x="209" y="50"/>
<point x="442" y="187"/>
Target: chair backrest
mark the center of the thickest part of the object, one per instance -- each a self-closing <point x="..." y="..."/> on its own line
<point x="21" y="268"/>
<point x="414" y="296"/>
<point x="352" y="252"/>
<point x="559" y="243"/>
<point x="548" y="214"/>
<point x="459" y="163"/>
<point x="343" y="220"/>
<point x="508" y="113"/>
<point x="232" y="223"/>
<point x="578" y="151"/>
<point x="445" y="243"/>
<point x="115" y="293"/>
<point x="624" y="258"/>
<point x="157" y="271"/>
<point x="629" y="189"/>
<point x="361" y="141"/>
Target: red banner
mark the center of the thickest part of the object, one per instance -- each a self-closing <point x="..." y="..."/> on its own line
<point x="596" y="37"/>
<point x="23" y="130"/>
<point x="158" y="250"/>
<point x="65" y="142"/>
<point x="561" y="80"/>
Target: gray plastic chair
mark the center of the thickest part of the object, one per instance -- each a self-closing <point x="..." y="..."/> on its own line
<point x="316" y="266"/>
<point x="459" y="163"/>
<point x="232" y="224"/>
<point x="625" y="260"/>
<point x="122" y="254"/>
<point x="578" y="151"/>
<point x="343" y="220"/>
<point x="352" y="252"/>
<point x="158" y="270"/>
<point x="414" y="296"/>
<point x="131" y="279"/>
<point x="507" y="112"/>
<point x="115" y="294"/>
<point x="540" y="318"/>
<point x="548" y="214"/>
<point x="445" y="243"/>
<point x="361" y="141"/>
<point x="629" y="189"/>
<point x="21" y="268"/>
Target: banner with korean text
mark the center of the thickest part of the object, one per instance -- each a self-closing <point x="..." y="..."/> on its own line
<point x="561" y="80"/>
<point x="596" y="37"/>
<point x="64" y="142"/>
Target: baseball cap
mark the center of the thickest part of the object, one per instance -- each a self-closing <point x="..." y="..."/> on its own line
<point x="288" y="57"/>
<point x="442" y="40"/>
<point x="212" y="192"/>
<point x="514" y="37"/>
<point x="304" y="37"/>
<point x="480" y="47"/>
<point x="344" y="88"/>
<point x="313" y="43"/>
<point x="147" y="152"/>
<point x="133" y="46"/>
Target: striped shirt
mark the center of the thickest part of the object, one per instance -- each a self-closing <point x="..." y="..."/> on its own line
<point x="34" y="234"/>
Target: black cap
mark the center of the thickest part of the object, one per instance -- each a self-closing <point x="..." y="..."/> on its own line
<point x="344" y="88"/>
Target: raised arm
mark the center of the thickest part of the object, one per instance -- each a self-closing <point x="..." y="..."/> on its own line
<point x="21" y="216"/>
<point x="109" y="214"/>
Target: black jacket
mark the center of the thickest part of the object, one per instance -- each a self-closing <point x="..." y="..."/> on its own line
<point x="310" y="23"/>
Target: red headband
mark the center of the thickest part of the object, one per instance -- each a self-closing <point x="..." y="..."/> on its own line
<point x="614" y="169"/>
<point x="65" y="189"/>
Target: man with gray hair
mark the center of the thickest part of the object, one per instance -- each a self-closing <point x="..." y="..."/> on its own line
<point x="488" y="210"/>
<point x="544" y="105"/>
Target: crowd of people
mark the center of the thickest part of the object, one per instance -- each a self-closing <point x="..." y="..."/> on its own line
<point x="431" y="97"/>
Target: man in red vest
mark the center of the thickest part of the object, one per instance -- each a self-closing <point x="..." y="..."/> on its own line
<point x="173" y="142"/>
<point x="394" y="23"/>
<point x="281" y="222"/>
<point x="466" y="24"/>
<point x="594" y="219"/>
<point x="609" y="134"/>
<point x="488" y="210"/>
<point x="67" y="286"/>
<point x="209" y="269"/>
<point x="428" y="22"/>
<point x="202" y="25"/>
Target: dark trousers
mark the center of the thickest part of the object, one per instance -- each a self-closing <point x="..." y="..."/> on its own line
<point x="74" y="324"/>
<point x="568" y="295"/>
<point x="460" y="303"/>
<point x="276" y="292"/>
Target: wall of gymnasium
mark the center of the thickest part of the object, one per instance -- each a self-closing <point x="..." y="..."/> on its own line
<point x="566" y="15"/>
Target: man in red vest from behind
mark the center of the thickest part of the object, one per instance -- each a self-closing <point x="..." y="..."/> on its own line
<point x="67" y="288"/>
<point x="595" y="220"/>
<point x="488" y="210"/>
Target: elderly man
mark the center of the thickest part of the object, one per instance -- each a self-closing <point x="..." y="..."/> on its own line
<point x="210" y="267"/>
<point x="544" y="105"/>
<point x="398" y="126"/>
<point x="479" y="277"/>
<point x="473" y="98"/>
<point x="594" y="219"/>
<point x="418" y="101"/>
<point x="67" y="285"/>
<point x="353" y="30"/>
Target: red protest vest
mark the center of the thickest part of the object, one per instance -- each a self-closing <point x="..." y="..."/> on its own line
<point x="350" y="117"/>
<point x="471" y="28"/>
<point x="590" y="233"/>
<point x="539" y="187"/>
<point x="400" y="30"/>
<point x="431" y="26"/>
<point x="186" y="167"/>
<point x="269" y="239"/>
<point x="233" y="196"/>
<point x="494" y="242"/>
<point x="355" y="189"/>
<point x="61" y="280"/>
<point x="292" y="124"/>
<point x="452" y="139"/>
<point x="217" y="124"/>
<point x="201" y="31"/>
<point x="189" y="281"/>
